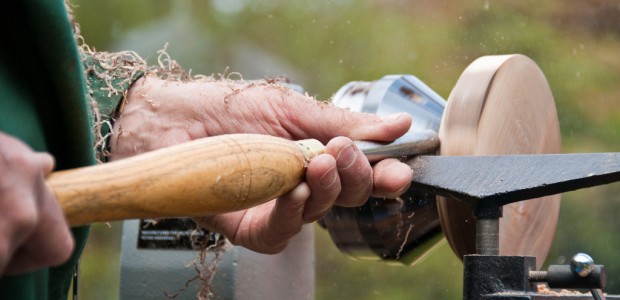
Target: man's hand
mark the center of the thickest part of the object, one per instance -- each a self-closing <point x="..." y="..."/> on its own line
<point x="33" y="231"/>
<point x="160" y="113"/>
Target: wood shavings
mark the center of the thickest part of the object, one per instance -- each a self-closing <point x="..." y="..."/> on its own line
<point x="205" y="269"/>
<point x="402" y="246"/>
<point x="544" y="290"/>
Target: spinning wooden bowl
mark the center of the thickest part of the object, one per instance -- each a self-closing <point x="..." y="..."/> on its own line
<point x="500" y="105"/>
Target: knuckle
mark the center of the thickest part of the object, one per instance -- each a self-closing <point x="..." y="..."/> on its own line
<point x="356" y="193"/>
<point x="20" y="159"/>
<point x="24" y="219"/>
<point x="23" y="162"/>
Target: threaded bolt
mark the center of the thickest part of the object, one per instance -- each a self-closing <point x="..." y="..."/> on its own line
<point x="538" y="276"/>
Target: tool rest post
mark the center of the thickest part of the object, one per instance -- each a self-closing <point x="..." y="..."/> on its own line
<point x="487" y="230"/>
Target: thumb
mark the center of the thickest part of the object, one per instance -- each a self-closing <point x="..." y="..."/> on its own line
<point x="309" y="118"/>
<point x="46" y="162"/>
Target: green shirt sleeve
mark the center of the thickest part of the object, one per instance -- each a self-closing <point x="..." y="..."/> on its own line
<point x="108" y="77"/>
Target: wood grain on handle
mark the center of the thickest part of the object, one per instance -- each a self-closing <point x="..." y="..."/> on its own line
<point x="211" y="175"/>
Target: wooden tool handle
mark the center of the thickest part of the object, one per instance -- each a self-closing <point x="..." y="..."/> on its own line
<point x="207" y="176"/>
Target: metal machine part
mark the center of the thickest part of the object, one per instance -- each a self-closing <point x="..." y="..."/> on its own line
<point x="493" y="182"/>
<point x="493" y="277"/>
<point x="411" y="143"/>
<point x="160" y="270"/>
<point x="394" y="94"/>
<point x="490" y="112"/>
<point x="582" y="264"/>
<point x="503" y="179"/>
<point x="488" y="275"/>
<point x="405" y="229"/>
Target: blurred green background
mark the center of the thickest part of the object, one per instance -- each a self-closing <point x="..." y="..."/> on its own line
<point x="322" y="45"/>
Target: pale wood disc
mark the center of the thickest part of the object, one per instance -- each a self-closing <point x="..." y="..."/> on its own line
<point x="502" y="105"/>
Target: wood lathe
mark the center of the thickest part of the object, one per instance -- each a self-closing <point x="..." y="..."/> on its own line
<point x="500" y="105"/>
<point x="495" y="176"/>
<point x="500" y="115"/>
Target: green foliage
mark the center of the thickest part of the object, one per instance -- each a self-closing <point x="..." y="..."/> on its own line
<point x="322" y="45"/>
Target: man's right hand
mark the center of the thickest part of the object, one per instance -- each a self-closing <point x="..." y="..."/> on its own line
<point x="33" y="231"/>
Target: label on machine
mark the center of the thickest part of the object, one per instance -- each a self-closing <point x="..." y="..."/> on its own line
<point x="173" y="234"/>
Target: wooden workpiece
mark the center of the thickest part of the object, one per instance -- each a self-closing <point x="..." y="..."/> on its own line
<point x="502" y="105"/>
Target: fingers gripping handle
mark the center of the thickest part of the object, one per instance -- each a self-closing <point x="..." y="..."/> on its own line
<point x="207" y="176"/>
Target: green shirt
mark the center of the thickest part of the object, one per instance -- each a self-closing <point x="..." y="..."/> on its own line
<point x="44" y="102"/>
